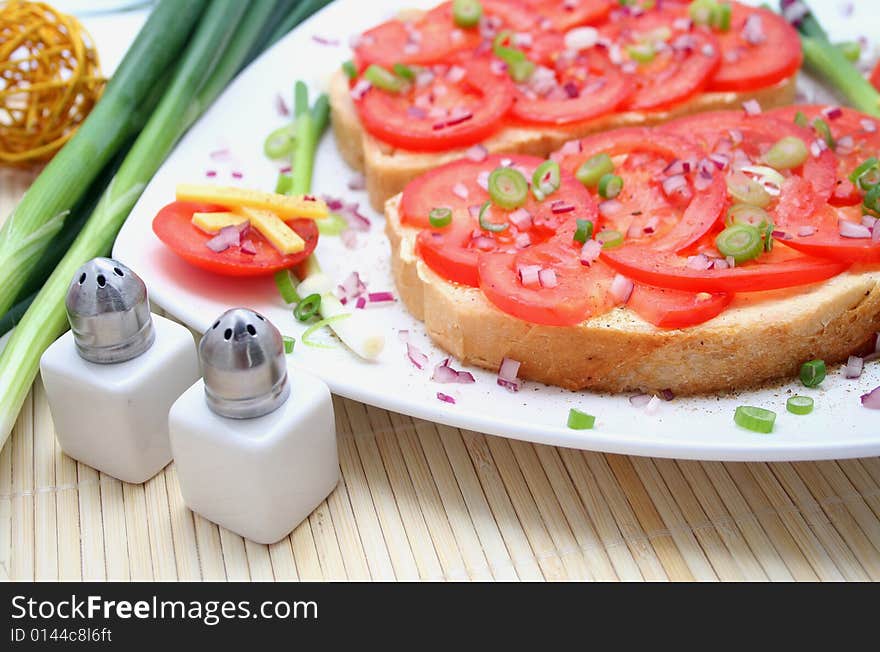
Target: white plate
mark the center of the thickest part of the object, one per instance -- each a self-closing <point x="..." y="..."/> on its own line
<point x="699" y="428"/>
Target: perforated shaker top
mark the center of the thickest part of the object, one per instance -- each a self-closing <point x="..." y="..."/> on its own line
<point x="244" y="365"/>
<point x="109" y="312"/>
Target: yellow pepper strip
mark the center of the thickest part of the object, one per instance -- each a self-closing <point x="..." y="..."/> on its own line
<point x="211" y="223"/>
<point x="283" y="206"/>
<point x="273" y="228"/>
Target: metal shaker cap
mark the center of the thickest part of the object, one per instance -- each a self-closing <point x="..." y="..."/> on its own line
<point x="109" y="312"/>
<point x="244" y="365"/>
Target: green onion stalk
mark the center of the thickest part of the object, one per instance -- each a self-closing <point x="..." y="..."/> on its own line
<point x="189" y="93"/>
<point x="352" y="328"/>
<point x="832" y="64"/>
<point x="42" y="212"/>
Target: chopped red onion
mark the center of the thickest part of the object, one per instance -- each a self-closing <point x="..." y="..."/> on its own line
<point x="351" y="287"/>
<point x="704" y="178"/>
<point x="560" y="206"/>
<point x="590" y="252"/>
<point x="380" y="297"/>
<point x="357" y="182"/>
<point x="415" y="356"/>
<point x="248" y="247"/>
<point x="675" y="184"/>
<point x="871" y="400"/>
<point x="443" y="373"/>
<point x="416" y="112"/>
<point x="237" y="175"/>
<point x="460" y="190"/>
<point x="522" y="240"/>
<point x="507" y="375"/>
<point x="852" y="230"/>
<point x="806" y="231"/>
<point x="457" y="117"/>
<point x="581" y="38"/>
<point x="736" y="136"/>
<point x="403" y="335"/>
<point x="751" y="107"/>
<point x="832" y="112"/>
<point x="640" y="400"/>
<point x="529" y="275"/>
<point x="682" y="24"/>
<point x="325" y="41"/>
<point x="547" y="278"/>
<point x="446" y="398"/>
<point x="731" y="261"/>
<point x="753" y="30"/>
<point x="869" y="221"/>
<point x="483" y="182"/>
<point x="477" y="153"/>
<point x="868" y="125"/>
<point x="227" y="237"/>
<point x="360" y="89"/>
<point x="667" y="394"/>
<point x="875" y="234"/>
<point x="349" y="239"/>
<point x="610" y="207"/>
<point x="498" y="67"/>
<point x="361" y="303"/>
<point x="357" y="221"/>
<point x="521" y="218"/>
<point x="795" y="11"/>
<point x="653" y="405"/>
<point x="700" y="262"/>
<point x="211" y="174"/>
<point x="621" y="288"/>
<point x="220" y="155"/>
<point x="720" y="160"/>
<point x="854" y="367"/>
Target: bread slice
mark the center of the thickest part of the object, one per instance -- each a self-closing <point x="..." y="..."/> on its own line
<point x="388" y="169"/>
<point x="763" y="336"/>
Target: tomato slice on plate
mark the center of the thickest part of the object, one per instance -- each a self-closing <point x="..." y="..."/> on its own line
<point x="173" y="225"/>
<point x="565" y="14"/>
<point x="735" y="139"/>
<point x="579" y="292"/>
<point x="777" y="270"/>
<point x="826" y="241"/>
<point x="856" y="138"/>
<point x="759" y="50"/>
<point x="668" y="64"/>
<point x="433" y="36"/>
<point x="667" y="308"/>
<point x="453" y="251"/>
<point x="460" y="106"/>
<point x="577" y="89"/>
<point x="672" y="218"/>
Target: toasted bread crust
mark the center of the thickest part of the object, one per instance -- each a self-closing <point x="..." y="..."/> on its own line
<point x="762" y="337"/>
<point x="388" y="170"/>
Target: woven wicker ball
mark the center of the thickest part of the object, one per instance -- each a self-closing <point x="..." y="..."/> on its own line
<point x="50" y="78"/>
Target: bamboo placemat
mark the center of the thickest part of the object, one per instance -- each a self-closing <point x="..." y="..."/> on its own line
<point x="425" y="501"/>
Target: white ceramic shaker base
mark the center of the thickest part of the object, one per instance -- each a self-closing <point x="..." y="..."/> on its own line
<point x="114" y="417"/>
<point x="260" y="477"/>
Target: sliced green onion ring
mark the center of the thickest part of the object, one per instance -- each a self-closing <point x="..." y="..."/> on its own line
<point x="813" y="373"/>
<point x="747" y="214"/>
<point x="584" y="231"/>
<point x="610" y="238"/>
<point x="787" y="153"/>
<point x="518" y="65"/>
<point x="740" y="241"/>
<point x="508" y="188"/>
<point x="851" y="50"/>
<point x="799" y="404"/>
<point x="824" y="132"/>
<point x="800" y="119"/>
<point x="285" y="286"/>
<point x="871" y="200"/>
<point x="280" y="143"/>
<point x="546" y="179"/>
<point x="746" y="190"/>
<point x="307" y="333"/>
<point x="610" y="186"/>
<point x="593" y="169"/>
<point x="333" y="224"/>
<point x="403" y="71"/>
<point x="867" y="166"/>
<point x="486" y="225"/>
<point x="349" y="69"/>
<point x="578" y="420"/>
<point x="467" y="13"/>
<point x="384" y="79"/>
<point x="641" y="53"/>
<point x="755" y="419"/>
<point x="768" y="236"/>
<point x="440" y="217"/>
<point x="284" y="185"/>
<point x="289" y="343"/>
<point x="307" y="307"/>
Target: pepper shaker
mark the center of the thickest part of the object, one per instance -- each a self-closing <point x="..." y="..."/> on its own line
<point x="112" y="378"/>
<point x="254" y="444"/>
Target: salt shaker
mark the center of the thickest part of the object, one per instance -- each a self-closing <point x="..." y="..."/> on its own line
<point x="254" y="444"/>
<point x="112" y="378"/>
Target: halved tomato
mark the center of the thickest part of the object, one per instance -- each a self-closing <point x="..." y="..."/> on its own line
<point x="667" y="308"/>
<point x="856" y="137"/>
<point x="826" y="241"/>
<point x="671" y="218"/>
<point x="585" y="87"/>
<point x="579" y="292"/>
<point x="677" y="63"/>
<point x="453" y="110"/>
<point x="173" y="225"/>
<point x="759" y="50"/>
<point x="453" y="251"/>
<point x="564" y="15"/>
<point x="433" y="36"/>
<point x="780" y="269"/>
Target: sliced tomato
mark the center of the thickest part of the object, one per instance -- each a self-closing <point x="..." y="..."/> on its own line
<point x="446" y="113"/>
<point x="759" y="50"/>
<point x="874" y="77"/>
<point x="432" y="37"/>
<point x="826" y="241"/>
<point x="570" y="13"/>
<point x="580" y="292"/>
<point x="643" y="209"/>
<point x="677" y="71"/>
<point x="667" y="308"/>
<point x="856" y="136"/>
<point x="453" y="251"/>
<point x="770" y="272"/>
<point x="173" y="225"/>
<point x="586" y="87"/>
<point x="733" y="133"/>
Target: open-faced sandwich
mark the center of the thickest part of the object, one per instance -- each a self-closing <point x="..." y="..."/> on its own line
<point x="527" y="76"/>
